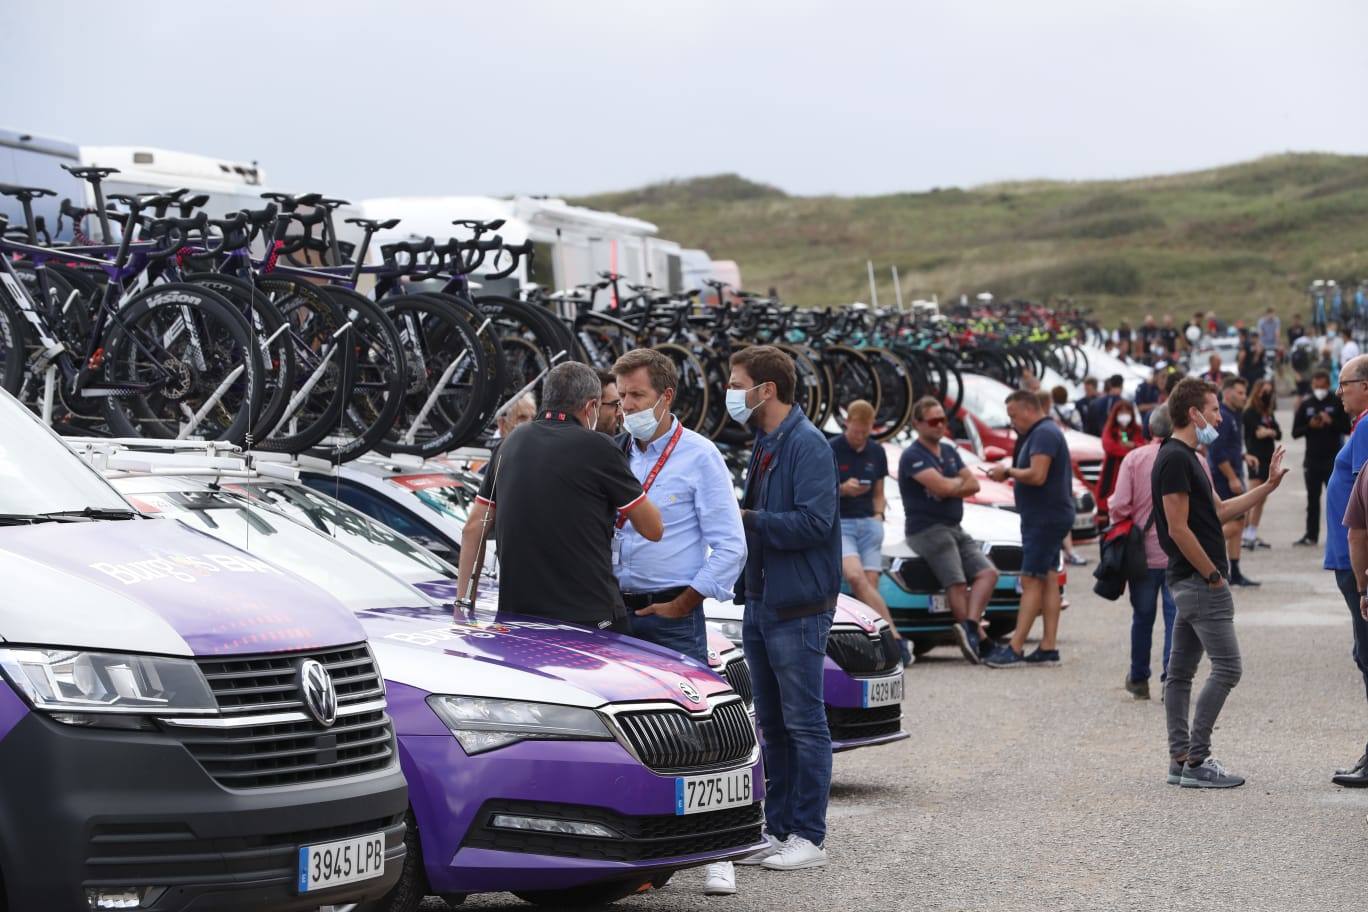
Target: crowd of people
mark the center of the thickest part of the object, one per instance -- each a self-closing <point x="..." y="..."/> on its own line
<point x="608" y="512"/>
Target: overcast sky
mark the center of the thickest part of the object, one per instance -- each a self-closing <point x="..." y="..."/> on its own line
<point x="850" y="97"/>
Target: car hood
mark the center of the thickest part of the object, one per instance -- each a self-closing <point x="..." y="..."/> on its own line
<point x="529" y="658"/>
<point x="1083" y="446"/>
<point x="157" y="587"/>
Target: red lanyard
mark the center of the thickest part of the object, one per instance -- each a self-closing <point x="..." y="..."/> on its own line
<point x="660" y="464"/>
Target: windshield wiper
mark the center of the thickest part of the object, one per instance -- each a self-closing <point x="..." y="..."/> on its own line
<point x="90" y="513"/>
<point x="23" y="519"/>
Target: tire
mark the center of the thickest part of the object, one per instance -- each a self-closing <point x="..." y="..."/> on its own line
<point x="380" y="379"/>
<point x="412" y="886"/>
<point x="921" y="646"/>
<point x="13" y="347"/>
<point x="600" y="894"/>
<point x="202" y="329"/>
<point x="691" y="393"/>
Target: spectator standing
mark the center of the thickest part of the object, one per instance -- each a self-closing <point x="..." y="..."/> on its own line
<point x="1083" y="405"/>
<point x="1295" y="330"/>
<point x="1322" y="420"/>
<point x="1101" y="408"/>
<point x="1190" y="522"/>
<point x="1261" y="434"/>
<point x="1270" y="330"/>
<point x="1120" y="435"/>
<point x="1215" y="373"/>
<point x="1043" y="476"/>
<point x="1133" y="502"/>
<point x="1148" y="396"/>
<point x="610" y="405"/>
<point x="513" y="415"/>
<point x="557" y="563"/>
<point x="1353" y="392"/>
<point x="1227" y="459"/>
<point x="1062" y="410"/>
<point x="934" y="482"/>
<point x="1168" y="338"/>
<point x="1251" y="361"/>
<point x="1149" y="339"/>
<point x="862" y="465"/>
<point x="703" y="548"/>
<point x="1350" y="349"/>
<point x="789" y="587"/>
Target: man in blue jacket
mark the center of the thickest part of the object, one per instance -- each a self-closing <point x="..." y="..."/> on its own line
<point x="791" y="514"/>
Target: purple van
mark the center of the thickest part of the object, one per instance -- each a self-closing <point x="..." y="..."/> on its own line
<point x="566" y="765"/>
<point x="182" y="725"/>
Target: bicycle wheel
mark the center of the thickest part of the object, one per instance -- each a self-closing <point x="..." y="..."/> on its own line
<point x="317" y="329"/>
<point x="181" y="358"/>
<point x="532" y="340"/>
<point x="852" y="378"/>
<point x="380" y="379"/>
<point x="494" y="369"/>
<point x="691" y="393"/>
<point x="447" y="376"/>
<point x="268" y="329"/>
<point x="13" y="348"/>
<point x="895" y="392"/>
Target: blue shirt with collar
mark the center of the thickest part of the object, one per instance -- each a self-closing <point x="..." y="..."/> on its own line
<point x="704" y="545"/>
<point x="1348" y="462"/>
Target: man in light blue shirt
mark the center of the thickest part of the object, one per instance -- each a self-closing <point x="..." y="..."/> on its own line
<point x="703" y="549"/>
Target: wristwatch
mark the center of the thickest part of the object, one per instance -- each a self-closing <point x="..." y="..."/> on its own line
<point x="1213" y="577"/>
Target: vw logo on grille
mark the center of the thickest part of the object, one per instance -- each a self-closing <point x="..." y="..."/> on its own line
<point x="319" y="694"/>
<point x="688" y="690"/>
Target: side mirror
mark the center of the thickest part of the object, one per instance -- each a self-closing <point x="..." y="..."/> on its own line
<point x="994" y="453"/>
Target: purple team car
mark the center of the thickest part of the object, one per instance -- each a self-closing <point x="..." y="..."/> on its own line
<point x="566" y="765"/>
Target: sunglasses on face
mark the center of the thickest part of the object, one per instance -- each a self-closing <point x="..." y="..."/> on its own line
<point x="934" y="422"/>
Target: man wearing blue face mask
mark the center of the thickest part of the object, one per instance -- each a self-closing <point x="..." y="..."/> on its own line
<point x="790" y="511"/>
<point x="703" y="548"/>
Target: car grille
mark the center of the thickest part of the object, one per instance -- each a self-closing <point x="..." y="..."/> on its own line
<point x="914" y="574"/>
<point x="269" y="738"/>
<point x="171" y="854"/>
<point x="644" y="838"/>
<point x="1090" y="469"/>
<point x="675" y="740"/>
<point x="737" y="674"/>
<point x="859" y="653"/>
<point x="848" y="724"/>
<point x="1007" y="558"/>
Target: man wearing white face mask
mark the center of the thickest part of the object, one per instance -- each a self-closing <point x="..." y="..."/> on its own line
<point x="1321" y="419"/>
<point x="702" y="551"/>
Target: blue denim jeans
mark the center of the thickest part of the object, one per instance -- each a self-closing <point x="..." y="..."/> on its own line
<point x="786" y="659"/>
<point x="1144" y="595"/>
<point x="688" y="635"/>
<point x="1348" y="587"/>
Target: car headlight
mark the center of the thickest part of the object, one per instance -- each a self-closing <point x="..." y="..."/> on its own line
<point x="107" y="688"/>
<point x="729" y="629"/>
<point x="481" y="724"/>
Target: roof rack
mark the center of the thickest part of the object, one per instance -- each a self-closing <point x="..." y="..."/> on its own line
<point x="171" y="458"/>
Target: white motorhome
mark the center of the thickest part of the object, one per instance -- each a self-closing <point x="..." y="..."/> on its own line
<point x="571" y="244"/>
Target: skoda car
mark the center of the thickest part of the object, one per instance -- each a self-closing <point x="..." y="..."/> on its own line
<point x="182" y="725"/>
<point x="862" y="677"/>
<point x="566" y="765"/>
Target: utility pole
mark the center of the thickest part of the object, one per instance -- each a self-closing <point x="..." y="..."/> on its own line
<point x="897" y="289"/>
<point x="873" y="290"/>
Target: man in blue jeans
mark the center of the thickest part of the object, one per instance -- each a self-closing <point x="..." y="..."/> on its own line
<point x="789" y="587"/>
<point x="1353" y="392"/>
<point x="1043" y="474"/>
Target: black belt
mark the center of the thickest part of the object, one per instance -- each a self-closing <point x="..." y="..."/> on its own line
<point x="635" y="600"/>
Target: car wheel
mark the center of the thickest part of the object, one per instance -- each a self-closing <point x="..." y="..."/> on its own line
<point x="412" y="887"/>
<point x="599" y="894"/>
<point x="921" y="646"/>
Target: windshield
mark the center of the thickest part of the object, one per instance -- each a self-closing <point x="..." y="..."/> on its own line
<point x="39" y="474"/>
<point x="443" y="494"/>
<point x="986" y="398"/>
<point x="377" y="543"/>
<point x="358" y="584"/>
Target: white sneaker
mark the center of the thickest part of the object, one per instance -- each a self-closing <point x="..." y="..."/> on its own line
<point x="720" y="879"/>
<point x="797" y="853"/>
<point x="760" y="855"/>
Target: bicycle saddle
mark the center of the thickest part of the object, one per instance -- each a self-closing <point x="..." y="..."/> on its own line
<point x="25" y="193"/>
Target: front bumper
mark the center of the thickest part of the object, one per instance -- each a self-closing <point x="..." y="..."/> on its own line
<point x="852" y="723"/>
<point x="455" y="797"/>
<point x="925" y="614"/>
<point x="90" y="808"/>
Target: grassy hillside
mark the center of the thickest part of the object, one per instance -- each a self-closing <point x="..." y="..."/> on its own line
<point x="1235" y="239"/>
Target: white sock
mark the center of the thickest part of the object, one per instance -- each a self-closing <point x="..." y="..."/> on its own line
<point x="1250" y="533"/>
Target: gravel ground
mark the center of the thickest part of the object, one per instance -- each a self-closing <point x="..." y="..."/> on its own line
<point x="1044" y="788"/>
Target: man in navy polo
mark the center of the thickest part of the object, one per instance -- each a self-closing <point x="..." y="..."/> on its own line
<point x="1227" y="460"/>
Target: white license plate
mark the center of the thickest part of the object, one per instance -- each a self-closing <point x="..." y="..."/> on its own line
<point x="1083" y="522"/>
<point x="331" y="864"/>
<point x="938" y="604"/>
<point x="883" y="691"/>
<point x="700" y="794"/>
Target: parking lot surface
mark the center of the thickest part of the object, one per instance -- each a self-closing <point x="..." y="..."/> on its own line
<point x="1043" y="789"/>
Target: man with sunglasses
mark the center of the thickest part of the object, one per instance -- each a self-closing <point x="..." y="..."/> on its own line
<point x="934" y="482"/>
<point x="1353" y="392"/>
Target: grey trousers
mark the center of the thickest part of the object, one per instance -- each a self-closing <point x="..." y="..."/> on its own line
<point x="1205" y="622"/>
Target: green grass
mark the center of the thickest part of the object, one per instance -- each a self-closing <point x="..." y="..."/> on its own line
<point x="1235" y="239"/>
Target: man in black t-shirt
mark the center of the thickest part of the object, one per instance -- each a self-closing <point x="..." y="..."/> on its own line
<point x="558" y="486"/>
<point x="1321" y="419"/>
<point x="1189" y="529"/>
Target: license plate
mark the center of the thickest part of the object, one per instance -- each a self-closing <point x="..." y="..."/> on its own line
<point x="883" y="691"/>
<point x="938" y="604"/>
<point x="700" y="794"/>
<point x="331" y="864"/>
<point x="1083" y="522"/>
